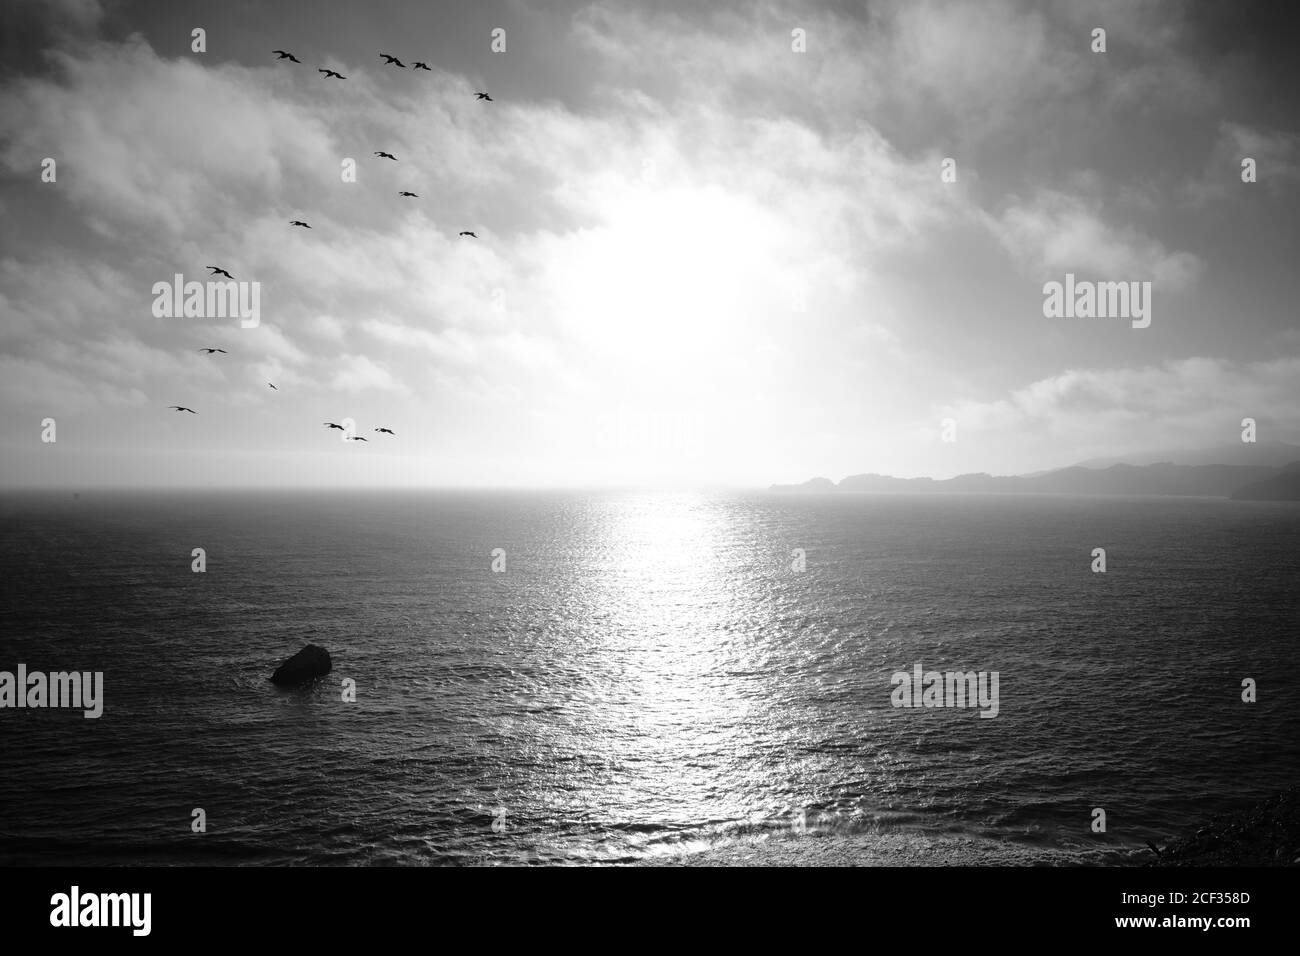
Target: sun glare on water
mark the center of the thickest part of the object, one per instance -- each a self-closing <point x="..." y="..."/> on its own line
<point x="665" y="583"/>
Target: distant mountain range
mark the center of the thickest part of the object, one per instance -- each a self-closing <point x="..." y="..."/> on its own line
<point x="1273" y="453"/>
<point x="1284" y="486"/>
<point x="1261" y="481"/>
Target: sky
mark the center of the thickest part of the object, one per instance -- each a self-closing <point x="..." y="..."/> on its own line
<point x="703" y="257"/>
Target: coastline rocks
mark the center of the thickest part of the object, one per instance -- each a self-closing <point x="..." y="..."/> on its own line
<point x="309" y="663"/>
<point x="1267" y="834"/>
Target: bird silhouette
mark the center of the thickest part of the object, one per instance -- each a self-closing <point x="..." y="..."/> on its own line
<point x="298" y="222"/>
<point x="386" y="155"/>
<point x="405" y="193"/>
<point x="332" y="425"/>
<point x="329" y="73"/>
<point x="286" y="56"/>
<point x="466" y="232"/>
<point x="483" y="96"/>
<point x="269" y="385"/>
<point x="387" y="431"/>
<point x="420" y="66"/>
<point x="219" y="272"/>
<point x="182" y="408"/>
<point x="210" y="351"/>
<point x="388" y="58"/>
<point x="357" y="438"/>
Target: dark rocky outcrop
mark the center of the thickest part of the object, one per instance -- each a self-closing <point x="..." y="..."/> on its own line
<point x="1267" y="834"/>
<point x="309" y="663"/>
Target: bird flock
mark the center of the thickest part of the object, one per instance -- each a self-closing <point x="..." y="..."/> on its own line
<point x="389" y="60"/>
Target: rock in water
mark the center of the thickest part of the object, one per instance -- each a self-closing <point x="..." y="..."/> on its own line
<point x="309" y="663"/>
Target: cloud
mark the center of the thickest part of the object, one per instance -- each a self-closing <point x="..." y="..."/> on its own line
<point x="358" y="373"/>
<point x="1055" y="233"/>
<point x="712" y="222"/>
<point x="53" y="388"/>
<point x="1191" y="402"/>
<point x="151" y="145"/>
<point x="984" y="62"/>
<point x="1277" y="160"/>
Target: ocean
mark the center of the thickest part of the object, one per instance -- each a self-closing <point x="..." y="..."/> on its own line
<point x="647" y="680"/>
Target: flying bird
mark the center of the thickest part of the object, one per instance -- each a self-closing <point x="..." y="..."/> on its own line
<point x="332" y="425"/>
<point x="392" y="59"/>
<point x="483" y="96"/>
<point x="466" y="232"/>
<point x="286" y="56"/>
<point x="182" y="408"/>
<point x="421" y="66"/>
<point x="298" y="222"/>
<point x="357" y="438"/>
<point x="210" y="351"/>
<point x="387" y="431"/>
<point x="219" y="272"/>
<point x="269" y="385"/>
<point x="329" y="73"/>
<point x="386" y="155"/>
<point x="405" y="193"/>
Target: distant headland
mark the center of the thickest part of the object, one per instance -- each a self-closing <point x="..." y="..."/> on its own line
<point x="1266" y="481"/>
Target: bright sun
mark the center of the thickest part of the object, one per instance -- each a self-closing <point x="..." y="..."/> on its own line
<point x="663" y="304"/>
<point x="662" y="282"/>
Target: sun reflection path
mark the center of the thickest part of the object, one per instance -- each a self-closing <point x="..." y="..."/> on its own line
<point x="666" y="580"/>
